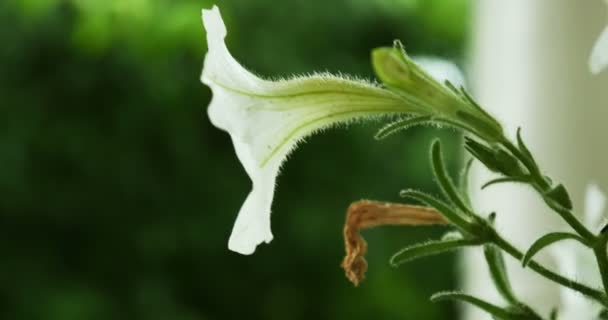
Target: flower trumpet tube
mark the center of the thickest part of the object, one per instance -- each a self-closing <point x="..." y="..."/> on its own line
<point x="266" y="119"/>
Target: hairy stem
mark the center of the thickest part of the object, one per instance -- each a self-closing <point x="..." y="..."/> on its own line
<point x="541" y="186"/>
<point x="602" y="261"/>
<point x="594" y="294"/>
<point x="571" y="219"/>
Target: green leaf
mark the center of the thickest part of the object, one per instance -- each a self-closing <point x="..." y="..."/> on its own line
<point x="547" y="240"/>
<point x="522" y="179"/>
<point x="560" y="195"/>
<point x="449" y="213"/>
<point x="399" y="125"/>
<point x="523" y="148"/>
<point x="494" y="310"/>
<point x="429" y="248"/>
<point x="444" y="180"/>
<point x="516" y="312"/>
<point x="463" y="184"/>
<point x="498" y="271"/>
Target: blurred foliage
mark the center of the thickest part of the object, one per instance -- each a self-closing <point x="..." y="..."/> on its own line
<point x="118" y="196"/>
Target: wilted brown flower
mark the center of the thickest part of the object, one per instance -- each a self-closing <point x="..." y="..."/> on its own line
<point x="367" y="214"/>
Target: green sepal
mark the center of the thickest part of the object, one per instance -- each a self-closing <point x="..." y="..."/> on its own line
<point x="523" y="148"/>
<point x="400" y="74"/>
<point x="480" y="124"/>
<point x="560" y="195"/>
<point x="392" y="66"/>
<point x="547" y="240"/>
<point x="495" y="159"/>
<point x="451" y="86"/>
<point x="482" y="153"/>
<point x="603" y="314"/>
<point x="498" y="271"/>
<point x="430" y="248"/>
<point x="401" y="124"/>
<point x="445" y="183"/>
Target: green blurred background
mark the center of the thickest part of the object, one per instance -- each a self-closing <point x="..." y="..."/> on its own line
<point x="118" y="196"/>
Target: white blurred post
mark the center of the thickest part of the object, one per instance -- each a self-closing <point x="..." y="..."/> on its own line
<point x="529" y="68"/>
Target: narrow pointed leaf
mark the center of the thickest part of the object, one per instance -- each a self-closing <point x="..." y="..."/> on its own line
<point x="494" y="310"/>
<point x="463" y="184"/>
<point x="450" y="214"/>
<point x="547" y="240"/>
<point x="498" y="271"/>
<point x="444" y="180"/>
<point x="399" y="125"/>
<point x="522" y="179"/>
<point x="463" y="181"/>
<point x="523" y="148"/>
<point x="429" y="248"/>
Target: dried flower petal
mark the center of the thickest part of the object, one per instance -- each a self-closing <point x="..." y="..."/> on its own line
<point x="367" y="214"/>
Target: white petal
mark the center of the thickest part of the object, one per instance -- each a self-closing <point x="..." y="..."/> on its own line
<point x="599" y="54"/>
<point x="595" y="203"/>
<point x="252" y="225"/>
<point x="266" y="119"/>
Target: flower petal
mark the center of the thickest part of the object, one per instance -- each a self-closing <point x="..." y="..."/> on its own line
<point x="266" y="119"/>
<point x="252" y="225"/>
<point x="598" y="60"/>
<point x="595" y="203"/>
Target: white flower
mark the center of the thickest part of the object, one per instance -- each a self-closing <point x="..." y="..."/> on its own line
<point x="266" y="119"/>
<point x="598" y="60"/>
<point x="578" y="262"/>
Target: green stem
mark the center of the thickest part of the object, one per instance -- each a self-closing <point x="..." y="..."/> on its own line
<point x="528" y="163"/>
<point x="569" y="217"/>
<point x="542" y="186"/>
<point x="602" y="260"/>
<point x="597" y="295"/>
